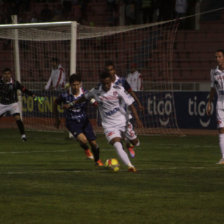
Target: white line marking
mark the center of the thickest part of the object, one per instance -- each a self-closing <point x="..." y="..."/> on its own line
<point x="55" y="151"/>
<point x="140" y="171"/>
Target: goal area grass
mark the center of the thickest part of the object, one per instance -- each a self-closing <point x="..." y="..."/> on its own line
<point x="49" y="180"/>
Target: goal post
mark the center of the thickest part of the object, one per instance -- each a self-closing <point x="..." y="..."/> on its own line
<point x="85" y="49"/>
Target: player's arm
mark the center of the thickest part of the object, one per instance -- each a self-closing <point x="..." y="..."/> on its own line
<point x="47" y="86"/>
<point x="139" y="83"/>
<point x="128" y="88"/>
<point x="211" y="94"/>
<point x="210" y="99"/>
<point x="135" y="114"/>
<point x="129" y="101"/>
<point x="24" y="89"/>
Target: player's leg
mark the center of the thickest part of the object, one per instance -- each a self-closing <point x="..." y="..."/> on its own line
<point x="77" y="131"/>
<point x="131" y="139"/>
<point x="220" y="119"/>
<point x="15" y="112"/>
<point x="114" y="138"/>
<point x="83" y="142"/>
<point x="20" y="126"/>
<point x="90" y="135"/>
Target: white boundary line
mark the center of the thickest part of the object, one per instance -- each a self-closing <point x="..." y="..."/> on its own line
<point x="140" y="171"/>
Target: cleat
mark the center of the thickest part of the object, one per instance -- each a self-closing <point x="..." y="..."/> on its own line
<point x="221" y="162"/>
<point x="131" y="151"/>
<point x="99" y="163"/>
<point x="89" y="155"/>
<point x="132" y="169"/>
<point x="23" y="137"/>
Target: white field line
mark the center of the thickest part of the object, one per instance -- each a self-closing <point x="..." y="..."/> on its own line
<point x="140" y="171"/>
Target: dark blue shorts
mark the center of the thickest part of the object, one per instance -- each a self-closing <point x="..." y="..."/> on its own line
<point x="84" y="127"/>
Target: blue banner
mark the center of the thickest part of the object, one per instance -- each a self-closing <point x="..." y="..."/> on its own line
<point x="162" y="109"/>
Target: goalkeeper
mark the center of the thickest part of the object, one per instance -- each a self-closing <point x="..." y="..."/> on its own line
<point x="9" y="99"/>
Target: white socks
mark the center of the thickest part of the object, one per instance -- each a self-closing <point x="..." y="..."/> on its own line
<point x="221" y="144"/>
<point x="122" y="154"/>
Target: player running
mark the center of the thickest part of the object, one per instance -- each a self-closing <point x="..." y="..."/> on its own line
<point x="9" y="99"/>
<point x="114" y="121"/>
<point x="123" y="82"/>
<point x="217" y="85"/>
<point x="77" y="121"/>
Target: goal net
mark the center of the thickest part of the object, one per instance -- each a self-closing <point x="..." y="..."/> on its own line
<point x="148" y="46"/>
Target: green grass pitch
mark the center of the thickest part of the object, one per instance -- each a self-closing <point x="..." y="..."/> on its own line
<point x="48" y="180"/>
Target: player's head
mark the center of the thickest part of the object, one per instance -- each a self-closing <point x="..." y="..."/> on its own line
<point x="105" y="79"/>
<point x="133" y="67"/>
<point x="55" y="62"/>
<point x="75" y="82"/>
<point x="109" y="66"/>
<point x="219" y="54"/>
<point x="6" y="74"/>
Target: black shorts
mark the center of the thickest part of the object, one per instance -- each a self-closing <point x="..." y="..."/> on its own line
<point x="84" y="127"/>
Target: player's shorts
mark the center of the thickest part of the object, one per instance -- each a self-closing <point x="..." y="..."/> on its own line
<point x="220" y="118"/>
<point x="12" y="108"/>
<point x="120" y="131"/>
<point x="77" y="128"/>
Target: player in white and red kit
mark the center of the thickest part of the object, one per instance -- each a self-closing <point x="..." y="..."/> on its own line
<point x="134" y="78"/>
<point x="114" y="121"/>
<point x="57" y="79"/>
<point x="217" y="85"/>
<point x="109" y="65"/>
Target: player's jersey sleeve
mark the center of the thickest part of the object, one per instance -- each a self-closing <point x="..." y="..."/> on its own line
<point x="127" y="98"/>
<point x="212" y="72"/>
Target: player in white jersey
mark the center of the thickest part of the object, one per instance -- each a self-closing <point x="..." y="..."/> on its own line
<point x="114" y="120"/>
<point x="217" y="85"/>
<point x="57" y="78"/>
<point x="134" y="78"/>
<point x="123" y="82"/>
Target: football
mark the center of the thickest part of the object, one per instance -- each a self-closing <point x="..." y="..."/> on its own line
<point x="112" y="164"/>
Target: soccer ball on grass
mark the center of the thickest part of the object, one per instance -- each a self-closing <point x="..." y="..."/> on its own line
<point x="112" y="164"/>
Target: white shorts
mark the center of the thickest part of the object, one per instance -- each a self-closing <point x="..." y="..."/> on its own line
<point x="12" y="108"/>
<point x="120" y="131"/>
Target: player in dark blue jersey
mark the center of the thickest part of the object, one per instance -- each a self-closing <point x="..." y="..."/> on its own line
<point x="77" y="121"/>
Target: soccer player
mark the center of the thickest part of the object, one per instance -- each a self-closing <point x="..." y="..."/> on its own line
<point x="134" y="78"/>
<point x="77" y="121"/>
<point x="57" y="78"/>
<point x="122" y="82"/>
<point x="9" y="99"/>
<point x="114" y="121"/>
<point x="217" y="85"/>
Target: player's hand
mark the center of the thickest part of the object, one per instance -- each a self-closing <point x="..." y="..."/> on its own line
<point x="208" y="109"/>
<point x="57" y="122"/>
<point x="66" y="106"/>
<point x="139" y="124"/>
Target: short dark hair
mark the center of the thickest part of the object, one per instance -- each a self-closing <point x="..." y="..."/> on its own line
<point x="104" y="75"/>
<point x="6" y="70"/>
<point x="220" y="50"/>
<point x="109" y="63"/>
<point x="75" y="77"/>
